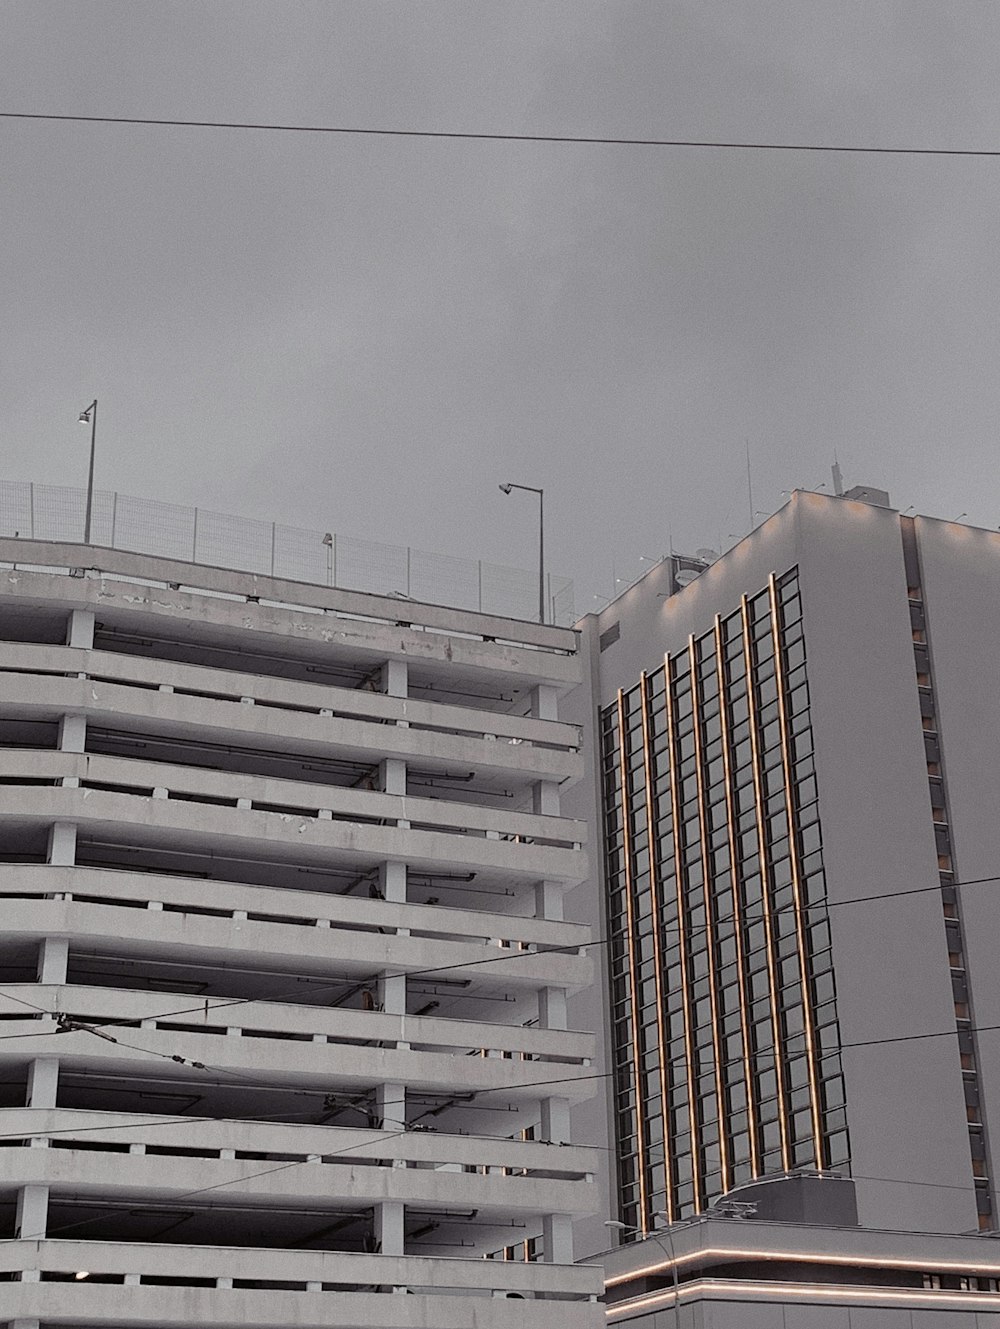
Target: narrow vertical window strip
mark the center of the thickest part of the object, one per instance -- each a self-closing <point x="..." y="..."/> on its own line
<point x="682" y="932"/>
<point x="640" y="1133"/>
<point x="657" y="922"/>
<point x="808" y="1014"/>
<point x="952" y="908"/>
<point x="753" y="1113"/>
<point x="710" y="922"/>
<point x="772" y="969"/>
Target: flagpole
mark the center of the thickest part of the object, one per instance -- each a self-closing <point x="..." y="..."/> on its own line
<point x="90" y="416"/>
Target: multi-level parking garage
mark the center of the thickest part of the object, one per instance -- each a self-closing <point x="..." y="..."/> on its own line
<point x="283" y="964"/>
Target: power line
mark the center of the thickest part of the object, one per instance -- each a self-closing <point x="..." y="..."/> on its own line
<point x="345" y="131"/>
<point x="30" y="1004"/>
<point x="377" y="1138"/>
<point x="94" y="1027"/>
<point x="915" y="1038"/>
<point x="142" y="1123"/>
<point x="187" y="1195"/>
<point x="89" y="1027"/>
<point x="381" y="1138"/>
<point x="476" y="1093"/>
<point x="227" y="1003"/>
<point x="221" y="1070"/>
<point x="530" y="1084"/>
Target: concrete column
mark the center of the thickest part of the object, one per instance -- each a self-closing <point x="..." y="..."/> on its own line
<point x="557" y="1239"/>
<point x="549" y="900"/>
<point x="390" y="1104"/>
<point x="62" y="844"/>
<point x="392" y="775"/>
<point x="394" y="678"/>
<point x="53" y="957"/>
<point x="32" y="1217"/>
<point x="391" y="997"/>
<point x="73" y="733"/>
<point x="392" y="882"/>
<point x="545" y="794"/>
<point x="545" y="798"/>
<point x="389" y="1228"/>
<point x="43" y="1082"/>
<point x="80" y="629"/>
<point x="392" y="779"/>
<point x="557" y="1229"/>
<point x="554" y="1125"/>
<point x="389" y="1231"/>
<point x="392" y="993"/>
<point x="552" y="1008"/>
<point x="545" y="702"/>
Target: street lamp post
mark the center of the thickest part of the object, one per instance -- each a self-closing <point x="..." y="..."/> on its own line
<point x="668" y="1250"/>
<point x="722" y="1208"/>
<point x="89" y="417"/>
<point x="530" y="489"/>
<point x="330" y="541"/>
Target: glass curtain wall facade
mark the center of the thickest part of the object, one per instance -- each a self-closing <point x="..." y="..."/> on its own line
<point x="724" y="1023"/>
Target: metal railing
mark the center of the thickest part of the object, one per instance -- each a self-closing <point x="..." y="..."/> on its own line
<point x="148" y="526"/>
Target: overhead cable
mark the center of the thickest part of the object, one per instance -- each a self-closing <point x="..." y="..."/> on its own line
<point x="594" y="140"/>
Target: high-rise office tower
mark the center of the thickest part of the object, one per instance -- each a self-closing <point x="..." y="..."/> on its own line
<point x="283" y="1032"/>
<point x="794" y="759"/>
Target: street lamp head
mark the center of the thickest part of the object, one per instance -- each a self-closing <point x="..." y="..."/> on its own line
<point x="506" y="488"/>
<point x="328" y="540"/>
<point x="84" y="417"/>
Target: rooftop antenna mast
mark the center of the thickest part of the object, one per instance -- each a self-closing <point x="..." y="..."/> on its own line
<point x="838" y="479"/>
<point x="749" y="486"/>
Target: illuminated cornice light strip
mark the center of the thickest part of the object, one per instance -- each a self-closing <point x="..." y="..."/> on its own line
<point x="807" y="1292"/>
<point x="918" y="1265"/>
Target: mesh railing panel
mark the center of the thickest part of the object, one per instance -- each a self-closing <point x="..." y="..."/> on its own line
<point x="445" y="579"/>
<point x="235" y="542"/>
<point x="16" y="516"/>
<point x="168" y="530"/>
<point x="364" y="565"/>
<point x="302" y="556"/>
<point x="145" y="525"/>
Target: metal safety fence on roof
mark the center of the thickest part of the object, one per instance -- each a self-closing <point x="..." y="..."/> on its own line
<point x="246" y="544"/>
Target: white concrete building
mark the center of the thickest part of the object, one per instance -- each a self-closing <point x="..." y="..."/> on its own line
<point x="283" y="1032"/>
<point x="794" y="764"/>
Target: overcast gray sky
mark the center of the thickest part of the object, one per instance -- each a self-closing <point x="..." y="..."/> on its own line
<point x="368" y="334"/>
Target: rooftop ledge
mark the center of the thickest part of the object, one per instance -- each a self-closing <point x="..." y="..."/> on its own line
<point x="80" y="560"/>
<point x="57" y="513"/>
